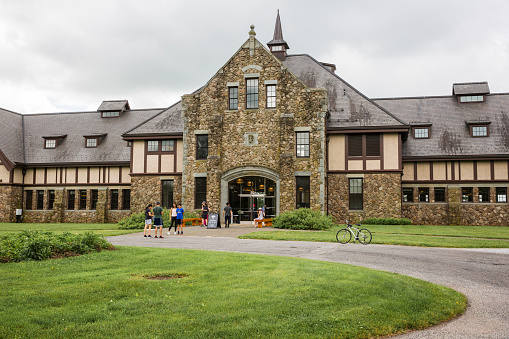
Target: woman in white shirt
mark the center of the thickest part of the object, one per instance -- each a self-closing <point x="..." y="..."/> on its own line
<point x="173" y="218"/>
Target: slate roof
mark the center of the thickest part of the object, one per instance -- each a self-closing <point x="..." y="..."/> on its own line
<point x="167" y="122"/>
<point x="450" y="134"/>
<point x="11" y="135"/>
<point x="471" y="88"/>
<point x="349" y="109"/>
<point x="71" y="149"/>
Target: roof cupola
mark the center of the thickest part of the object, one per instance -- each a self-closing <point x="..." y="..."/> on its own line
<point x="278" y="45"/>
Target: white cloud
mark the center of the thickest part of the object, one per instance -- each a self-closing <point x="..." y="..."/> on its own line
<point x="70" y="55"/>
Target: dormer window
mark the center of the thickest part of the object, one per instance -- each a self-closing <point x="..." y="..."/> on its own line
<point x="111" y="114"/>
<point x="113" y="108"/>
<point x="421" y="130"/>
<point x="52" y="141"/>
<point x="276" y="48"/>
<point x="93" y="140"/>
<point x="471" y="92"/>
<point x="471" y="98"/>
<point x="479" y="131"/>
<point x="421" y="133"/>
<point x="479" y="128"/>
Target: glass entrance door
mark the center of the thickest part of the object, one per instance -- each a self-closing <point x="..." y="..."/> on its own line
<point x="247" y="194"/>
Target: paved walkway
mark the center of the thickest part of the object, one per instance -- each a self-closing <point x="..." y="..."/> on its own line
<point x="481" y="274"/>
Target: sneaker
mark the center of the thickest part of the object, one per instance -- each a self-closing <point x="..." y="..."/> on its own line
<point x="145" y="235"/>
<point x="181" y="233"/>
<point x="149" y="236"/>
<point x="161" y="237"/>
<point x="168" y="233"/>
<point x="155" y="236"/>
<point x="175" y="233"/>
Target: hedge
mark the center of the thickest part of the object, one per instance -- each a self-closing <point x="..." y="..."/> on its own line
<point x="303" y="219"/>
<point x="387" y="221"/>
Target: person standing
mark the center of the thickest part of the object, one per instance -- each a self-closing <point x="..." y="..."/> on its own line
<point x="227" y="213"/>
<point x="173" y="218"/>
<point x="158" y="219"/>
<point x="180" y="216"/>
<point x="148" y="221"/>
<point x="204" y="213"/>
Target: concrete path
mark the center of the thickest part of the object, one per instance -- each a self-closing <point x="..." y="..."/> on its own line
<point x="481" y="274"/>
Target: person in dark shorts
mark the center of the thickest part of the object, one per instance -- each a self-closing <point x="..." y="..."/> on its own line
<point x="227" y="213"/>
<point x="204" y="213"/>
<point x="180" y="216"/>
<point x="148" y="221"/>
<point x="158" y="219"/>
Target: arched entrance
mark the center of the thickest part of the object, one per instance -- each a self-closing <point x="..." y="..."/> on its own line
<point x="249" y="188"/>
<point x="247" y="194"/>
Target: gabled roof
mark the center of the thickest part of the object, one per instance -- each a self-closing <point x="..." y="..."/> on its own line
<point x="450" y="134"/>
<point x="349" y="109"/>
<point x="114" y="105"/>
<point x="471" y="88"/>
<point x="72" y="150"/>
<point x="167" y="122"/>
<point x="11" y="137"/>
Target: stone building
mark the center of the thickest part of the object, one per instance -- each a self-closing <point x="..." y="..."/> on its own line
<point x="268" y="128"/>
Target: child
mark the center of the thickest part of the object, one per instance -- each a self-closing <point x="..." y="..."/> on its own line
<point x="180" y="216"/>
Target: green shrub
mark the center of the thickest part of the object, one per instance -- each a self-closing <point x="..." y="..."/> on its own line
<point x="134" y="221"/>
<point x="40" y="245"/>
<point x="303" y="219"/>
<point x="387" y="221"/>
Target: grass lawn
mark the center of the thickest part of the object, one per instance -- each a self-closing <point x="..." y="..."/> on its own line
<point x="104" y="229"/>
<point x="222" y="295"/>
<point x="409" y="235"/>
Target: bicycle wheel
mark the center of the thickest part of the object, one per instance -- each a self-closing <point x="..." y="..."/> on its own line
<point x="364" y="236"/>
<point x="343" y="236"/>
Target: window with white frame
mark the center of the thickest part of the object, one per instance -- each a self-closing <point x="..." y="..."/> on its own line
<point x="271" y="96"/>
<point x="421" y="132"/>
<point x="479" y="131"/>
<point x="50" y="143"/>
<point x="302" y="144"/>
<point x="91" y="142"/>
<point x="471" y="98"/>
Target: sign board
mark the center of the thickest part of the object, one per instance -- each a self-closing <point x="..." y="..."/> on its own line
<point x="19" y="211"/>
<point x="214" y="221"/>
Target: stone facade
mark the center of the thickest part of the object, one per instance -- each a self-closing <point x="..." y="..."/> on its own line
<point x="147" y="189"/>
<point x="274" y="128"/>
<point x="381" y="196"/>
<point x="10" y="200"/>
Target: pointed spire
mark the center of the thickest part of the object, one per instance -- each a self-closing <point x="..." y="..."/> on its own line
<point x="278" y="45"/>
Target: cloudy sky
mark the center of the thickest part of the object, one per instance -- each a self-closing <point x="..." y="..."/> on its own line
<point x="61" y="55"/>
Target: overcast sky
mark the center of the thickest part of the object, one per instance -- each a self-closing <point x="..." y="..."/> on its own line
<point x="61" y="55"/>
